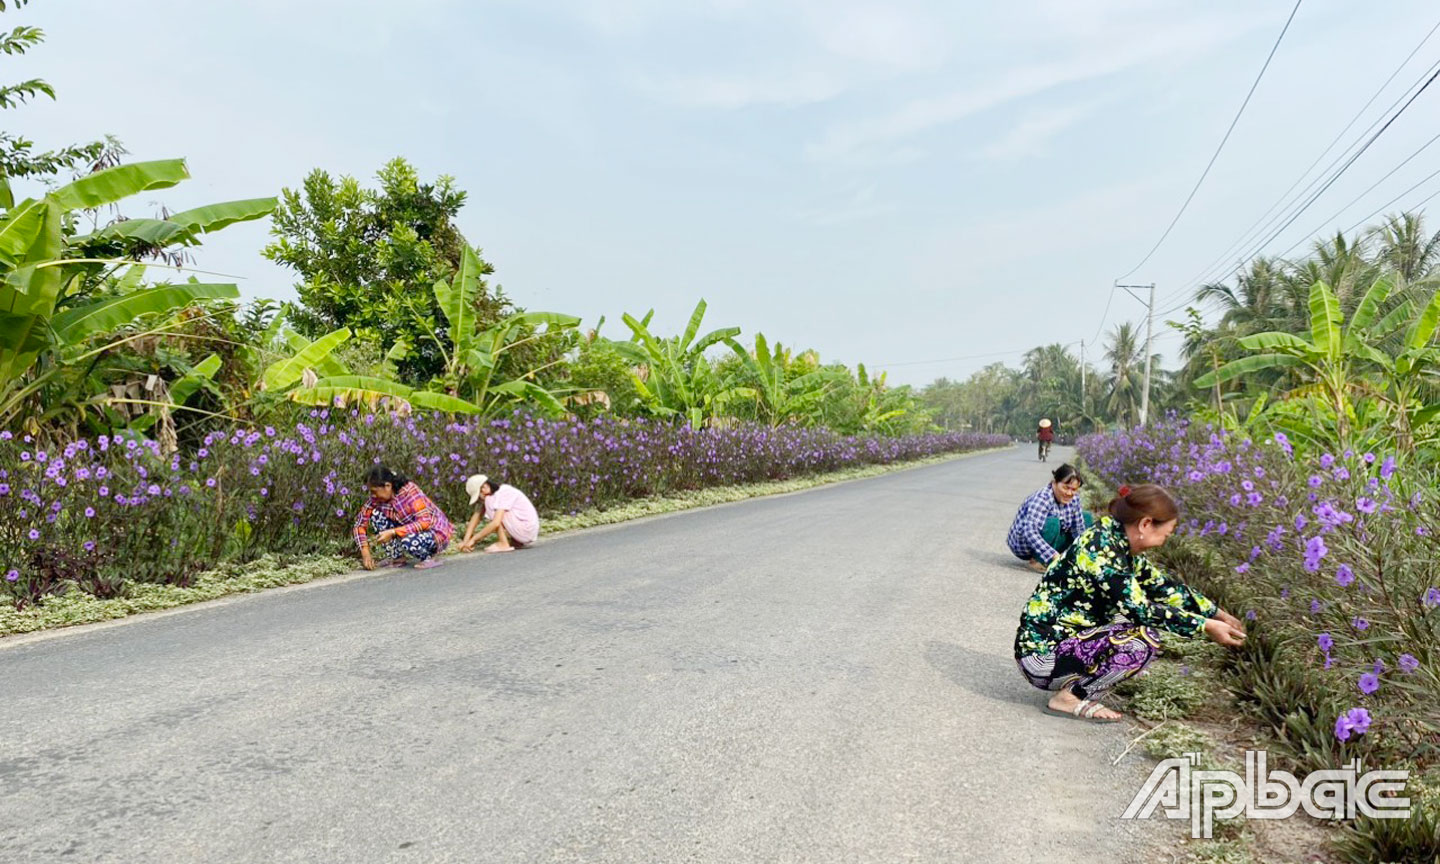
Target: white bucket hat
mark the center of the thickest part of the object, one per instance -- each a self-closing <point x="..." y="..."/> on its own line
<point x="472" y="486"/>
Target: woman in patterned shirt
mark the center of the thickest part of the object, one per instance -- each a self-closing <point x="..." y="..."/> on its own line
<point x="405" y="522"/>
<point x="1050" y="520"/>
<point x="1092" y="620"/>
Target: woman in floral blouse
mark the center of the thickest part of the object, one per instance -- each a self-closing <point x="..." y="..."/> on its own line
<point x="405" y="522"/>
<point x="1092" y="620"/>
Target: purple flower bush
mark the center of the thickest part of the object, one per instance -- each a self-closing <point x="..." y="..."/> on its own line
<point x="1339" y="554"/>
<point x="97" y="511"/>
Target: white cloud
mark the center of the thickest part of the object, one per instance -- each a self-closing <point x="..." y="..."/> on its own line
<point x="1031" y="136"/>
<point x="1179" y="41"/>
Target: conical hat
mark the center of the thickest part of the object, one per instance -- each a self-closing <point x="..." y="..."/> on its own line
<point x="1044" y="424"/>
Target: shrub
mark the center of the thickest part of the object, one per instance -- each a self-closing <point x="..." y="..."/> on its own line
<point x="97" y="511"/>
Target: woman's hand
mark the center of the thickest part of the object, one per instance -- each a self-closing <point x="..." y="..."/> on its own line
<point x="1223" y="633"/>
<point x="1229" y="619"/>
<point x="467" y="545"/>
<point x="385" y="536"/>
<point x="365" y="560"/>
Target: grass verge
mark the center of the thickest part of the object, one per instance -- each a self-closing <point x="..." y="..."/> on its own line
<point x="75" y="607"/>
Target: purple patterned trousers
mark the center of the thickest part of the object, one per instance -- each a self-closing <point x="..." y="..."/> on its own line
<point x="1093" y="661"/>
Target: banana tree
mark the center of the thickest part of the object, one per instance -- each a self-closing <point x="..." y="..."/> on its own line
<point x="780" y="390"/>
<point x="1325" y="360"/>
<point x="312" y="375"/>
<point x="673" y="376"/>
<point x="474" y="357"/>
<point x="53" y="331"/>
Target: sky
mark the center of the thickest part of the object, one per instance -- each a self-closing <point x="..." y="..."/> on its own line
<point x="925" y="187"/>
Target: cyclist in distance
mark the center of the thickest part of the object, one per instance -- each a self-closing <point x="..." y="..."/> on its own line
<point x="1046" y="435"/>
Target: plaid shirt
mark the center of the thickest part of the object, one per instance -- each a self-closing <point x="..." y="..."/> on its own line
<point x="1025" y="540"/>
<point x="410" y="509"/>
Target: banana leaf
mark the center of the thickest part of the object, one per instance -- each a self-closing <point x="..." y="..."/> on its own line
<point x="122" y="181"/>
<point x="284" y="373"/>
<point x="74" y="326"/>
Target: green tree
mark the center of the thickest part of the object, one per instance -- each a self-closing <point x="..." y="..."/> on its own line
<point x="368" y="260"/>
<point x="18" y="158"/>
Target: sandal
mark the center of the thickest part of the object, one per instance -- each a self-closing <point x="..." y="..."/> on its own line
<point x="428" y="563"/>
<point x="1086" y="711"/>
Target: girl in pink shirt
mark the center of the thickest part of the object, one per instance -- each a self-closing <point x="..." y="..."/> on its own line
<point x="507" y="514"/>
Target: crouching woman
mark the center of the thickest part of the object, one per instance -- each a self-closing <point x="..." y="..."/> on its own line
<point x="1049" y="520"/>
<point x="401" y="521"/>
<point x="1093" y="619"/>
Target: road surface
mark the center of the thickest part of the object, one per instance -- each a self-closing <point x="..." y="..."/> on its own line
<point x="824" y="676"/>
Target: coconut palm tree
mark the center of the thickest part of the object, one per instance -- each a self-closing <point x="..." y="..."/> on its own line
<point x="1405" y="247"/>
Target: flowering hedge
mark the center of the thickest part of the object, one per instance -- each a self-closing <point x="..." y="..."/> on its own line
<point x="1333" y="558"/>
<point x="97" y="512"/>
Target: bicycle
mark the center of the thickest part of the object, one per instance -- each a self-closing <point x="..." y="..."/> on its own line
<point x="1044" y="450"/>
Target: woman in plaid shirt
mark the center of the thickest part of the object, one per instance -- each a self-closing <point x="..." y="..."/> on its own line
<point x="1050" y="520"/>
<point x="404" y="521"/>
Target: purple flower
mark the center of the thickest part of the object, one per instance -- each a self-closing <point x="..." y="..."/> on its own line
<point x="34" y="534"/>
<point x="88" y="545"/>
<point x="1250" y="615"/>
<point x="1315" y="550"/>
<point x="1387" y="467"/>
<point x="1365" y="505"/>
<point x="1326" y="642"/>
<point x="103" y="491"/>
<point x="1315" y="481"/>
<point x="1243" y="567"/>
<point x="1409" y="663"/>
<point x="210" y="482"/>
<point x="1359" y="623"/>
<point x="1344" y="576"/>
<point x="1327" y="460"/>
<point x="89" y="512"/>
<point x="13" y="575"/>
<point x="1355" y="721"/>
<point x="1369" y="683"/>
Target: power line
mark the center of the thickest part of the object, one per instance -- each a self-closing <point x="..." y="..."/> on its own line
<point x="1216" y="155"/>
<point x="1343" y="168"/>
<point x="1246" y="236"/>
<point x="1434" y="73"/>
<point x="1367" y="192"/>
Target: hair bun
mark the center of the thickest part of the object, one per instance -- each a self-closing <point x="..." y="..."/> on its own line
<point x="1123" y="491"/>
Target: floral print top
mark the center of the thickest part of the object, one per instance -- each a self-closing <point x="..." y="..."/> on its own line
<point x="1098" y="580"/>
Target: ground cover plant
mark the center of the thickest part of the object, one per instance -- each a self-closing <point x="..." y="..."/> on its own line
<point x="97" y="512"/>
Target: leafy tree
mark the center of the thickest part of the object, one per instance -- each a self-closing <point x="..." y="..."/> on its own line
<point x="18" y="158"/>
<point x="368" y="260"/>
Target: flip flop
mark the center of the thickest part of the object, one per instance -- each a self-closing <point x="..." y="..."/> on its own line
<point x="428" y="563"/>
<point x="492" y="549"/>
<point x="1085" y="712"/>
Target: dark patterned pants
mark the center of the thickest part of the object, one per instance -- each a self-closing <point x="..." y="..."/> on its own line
<point x="1093" y="661"/>
<point x="419" y="545"/>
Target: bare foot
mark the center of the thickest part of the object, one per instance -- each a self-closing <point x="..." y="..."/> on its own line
<point x="428" y="563"/>
<point x="496" y="547"/>
<point x="1035" y="565"/>
<point x="1065" y="701"/>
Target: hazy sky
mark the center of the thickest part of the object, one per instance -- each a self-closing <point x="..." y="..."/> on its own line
<point x="885" y="182"/>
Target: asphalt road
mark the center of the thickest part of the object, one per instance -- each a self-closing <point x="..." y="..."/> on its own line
<point x="824" y="676"/>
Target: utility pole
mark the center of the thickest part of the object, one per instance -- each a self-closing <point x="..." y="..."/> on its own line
<point x="1149" y="340"/>
<point x="1083" y="411"/>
